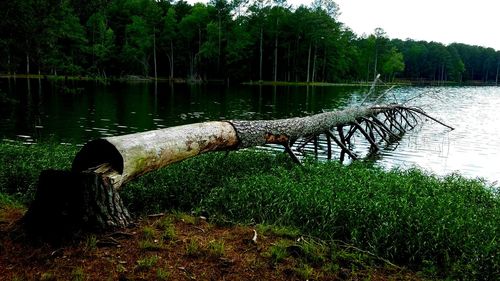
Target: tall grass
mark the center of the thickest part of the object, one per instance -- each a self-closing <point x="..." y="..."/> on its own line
<point x="444" y="226"/>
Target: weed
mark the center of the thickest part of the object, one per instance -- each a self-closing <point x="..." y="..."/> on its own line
<point x="278" y="252"/>
<point x="150" y="245"/>
<point x="188" y="219"/>
<point x="90" y="243"/>
<point x="193" y="248"/>
<point x="148" y="233"/>
<point x="304" y="271"/>
<point x="313" y="252"/>
<point x="278" y="230"/>
<point x="120" y="268"/>
<point x="147" y="262"/>
<point x="168" y="229"/>
<point x="216" y="248"/>
<point x="162" y="274"/>
<point x="47" y="276"/>
<point x="77" y="274"/>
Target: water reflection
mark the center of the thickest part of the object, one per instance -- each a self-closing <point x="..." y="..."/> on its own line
<point x="76" y="111"/>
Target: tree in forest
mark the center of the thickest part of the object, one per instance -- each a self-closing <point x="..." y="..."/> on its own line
<point x="102" y="42"/>
<point x="66" y="42"/>
<point x="239" y="51"/>
<point x="193" y="30"/>
<point x="380" y="47"/>
<point x="137" y="46"/>
<point x="394" y="63"/>
<point x="329" y="6"/>
<point x="167" y="38"/>
<point x="222" y="14"/>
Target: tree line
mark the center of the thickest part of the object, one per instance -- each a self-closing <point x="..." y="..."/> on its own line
<point x="237" y="40"/>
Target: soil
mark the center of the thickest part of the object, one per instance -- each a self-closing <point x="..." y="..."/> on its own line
<point x="178" y="247"/>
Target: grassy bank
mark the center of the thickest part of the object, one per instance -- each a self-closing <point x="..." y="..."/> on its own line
<point x="444" y="227"/>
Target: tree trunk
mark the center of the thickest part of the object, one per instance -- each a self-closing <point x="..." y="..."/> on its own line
<point x="323" y="72"/>
<point x="308" y="62"/>
<point x="314" y="63"/>
<point x="154" y="55"/>
<point x="276" y="53"/>
<point x="496" y="78"/>
<point x="219" y="43"/>
<point x="27" y="63"/>
<point x="123" y="158"/>
<point x="86" y="198"/>
<point x="171" y="60"/>
<point x="260" y="53"/>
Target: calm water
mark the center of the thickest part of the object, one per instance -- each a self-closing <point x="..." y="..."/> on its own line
<point x="76" y="112"/>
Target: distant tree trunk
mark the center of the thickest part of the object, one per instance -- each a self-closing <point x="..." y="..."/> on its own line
<point x="368" y="70"/>
<point x="295" y="59"/>
<point x="154" y="54"/>
<point x="260" y="53"/>
<point x="27" y="63"/>
<point x="8" y="63"/>
<point x="323" y="72"/>
<point x="170" y="57"/>
<point x="219" y="41"/>
<point x="308" y="61"/>
<point x="275" y="68"/>
<point x="288" y="63"/>
<point x="314" y="63"/>
<point x="496" y="78"/>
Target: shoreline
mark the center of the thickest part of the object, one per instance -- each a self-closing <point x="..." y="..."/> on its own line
<point x="140" y="79"/>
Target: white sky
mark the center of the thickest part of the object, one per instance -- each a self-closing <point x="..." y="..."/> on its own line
<point x="474" y="22"/>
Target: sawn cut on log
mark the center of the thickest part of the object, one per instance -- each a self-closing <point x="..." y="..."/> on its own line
<point x="87" y="196"/>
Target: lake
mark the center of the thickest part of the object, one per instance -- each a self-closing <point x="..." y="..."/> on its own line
<point x="74" y="112"/>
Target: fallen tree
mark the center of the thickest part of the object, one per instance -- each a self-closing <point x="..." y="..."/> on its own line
<point x="87" y="196"/>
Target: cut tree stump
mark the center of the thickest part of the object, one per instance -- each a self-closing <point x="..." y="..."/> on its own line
<point x="86" y="198"/>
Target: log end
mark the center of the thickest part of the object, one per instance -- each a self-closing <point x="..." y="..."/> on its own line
<point x="96" y="153"/>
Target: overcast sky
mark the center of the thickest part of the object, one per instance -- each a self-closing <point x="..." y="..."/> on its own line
<point x="475" y="22"/>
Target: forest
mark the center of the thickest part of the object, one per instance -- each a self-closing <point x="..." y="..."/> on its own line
<point x="235" y="40"/>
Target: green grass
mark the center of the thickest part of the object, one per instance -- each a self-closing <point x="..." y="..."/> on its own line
<point x="278" y="252"/>
<point x="216" y="248"/>
<point x="147" y="262"/>
<point x="448" y="227"/>
<point x="193" y="248"/>
<point x="77" y="274"/>
<point x="20" y="166"/>
<point x="168" y="229"/>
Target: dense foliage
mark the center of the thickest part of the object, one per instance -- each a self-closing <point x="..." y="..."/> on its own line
<point x="236" y="40"/>
<point x="447" y="227"/>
